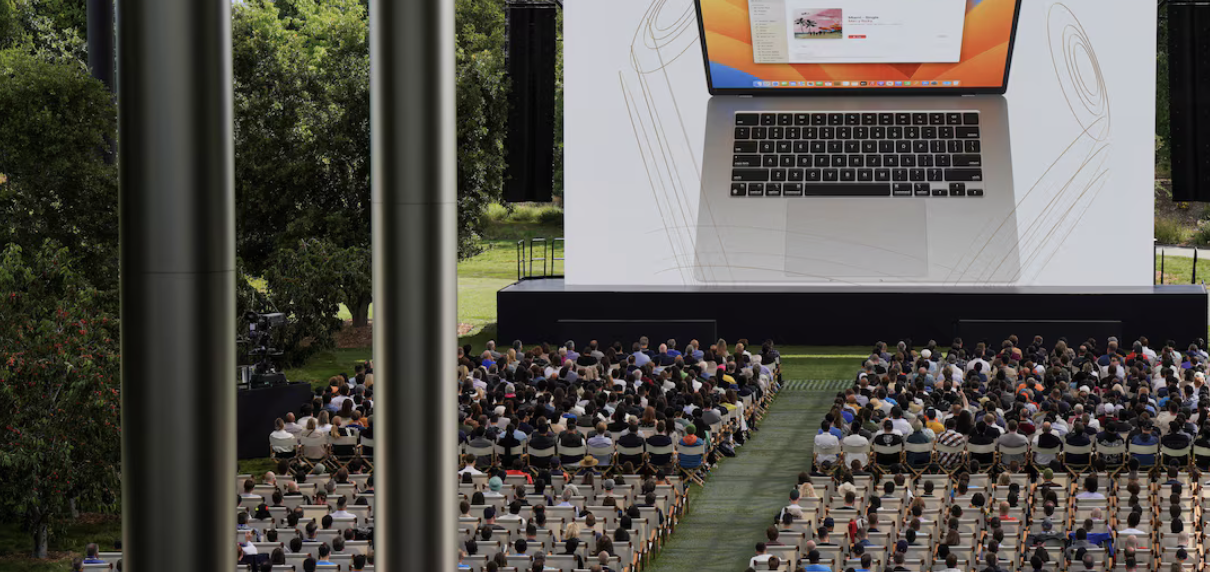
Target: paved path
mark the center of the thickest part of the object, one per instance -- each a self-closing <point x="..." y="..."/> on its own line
<point x="1182" y="251"/>
<point x="729" y="516"/>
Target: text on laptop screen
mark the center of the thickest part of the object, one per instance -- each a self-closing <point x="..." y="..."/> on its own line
<point x="863" y="44"/>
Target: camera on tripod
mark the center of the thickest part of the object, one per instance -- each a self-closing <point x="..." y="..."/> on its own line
<point x="260" y="335"/>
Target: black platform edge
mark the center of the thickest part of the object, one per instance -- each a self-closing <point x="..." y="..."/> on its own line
<point x="549" y="310"/>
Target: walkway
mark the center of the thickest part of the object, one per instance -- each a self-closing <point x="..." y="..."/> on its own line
<point x="728" y="517"/>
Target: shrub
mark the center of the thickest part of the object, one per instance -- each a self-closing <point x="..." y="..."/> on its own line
<point x="551" y="215"/>
<point x="496" y="212"/>
<point x="1169" y="231"/>
<point x="1201" y="236"/>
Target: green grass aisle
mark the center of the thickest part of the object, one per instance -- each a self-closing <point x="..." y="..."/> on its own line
<point x="728" y="517"/>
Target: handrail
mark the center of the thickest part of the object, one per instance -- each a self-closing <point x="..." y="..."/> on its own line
<point x="542" y="250"/>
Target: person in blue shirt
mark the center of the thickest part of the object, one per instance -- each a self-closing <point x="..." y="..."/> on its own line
<point x="831" y="428"/>
<point x="813" y="564"/>
<point x="1144" y="439"/>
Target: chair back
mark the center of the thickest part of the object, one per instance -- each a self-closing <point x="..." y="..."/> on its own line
<point x="1006" y="450"/>
<point x="982" y="449"/>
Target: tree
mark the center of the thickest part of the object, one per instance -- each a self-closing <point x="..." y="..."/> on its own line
<point x="59" y="382"/>
<point x="307" y="283"/>
<point x="482" y="103"/>
<point x="302" y="127"/>
<point x="302" y="138"/>
<point x="56" y="118"/>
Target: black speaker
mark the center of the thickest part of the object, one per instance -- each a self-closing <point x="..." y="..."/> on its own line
<point x="531" y="102"/>
<point x="1189" y="98"/>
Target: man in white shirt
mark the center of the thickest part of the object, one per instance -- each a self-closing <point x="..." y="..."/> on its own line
<point x="856" y="442"/>
<point x="903" y="426"/>
<point x="760" y="561"/>
<point x="292" y="427"/>
<point x="826" y="441"/>
<point x="342" y="505"/>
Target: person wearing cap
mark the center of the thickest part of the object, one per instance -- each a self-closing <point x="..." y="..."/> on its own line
<point x="494" y="485"/>
<point x="1046" y="535"/>
<point x="794" y="508"/>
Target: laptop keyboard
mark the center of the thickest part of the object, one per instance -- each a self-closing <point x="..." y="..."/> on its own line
<point x="887" y="154"/>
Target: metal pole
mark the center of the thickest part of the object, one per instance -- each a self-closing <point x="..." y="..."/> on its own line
<point x="1194" y="281"/>
<point x="1162" y="267"/>
<point x="415" y="281"/>
<point x="177" y="223"/>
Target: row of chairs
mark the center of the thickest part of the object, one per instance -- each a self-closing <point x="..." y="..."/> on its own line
<point x="961" y="452"/>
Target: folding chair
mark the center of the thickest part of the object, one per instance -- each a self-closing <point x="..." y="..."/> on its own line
<point x="1136" y="450"/>
<point x="566" y="451"/>
<point x="488" y="452"/>
<point x="959" y="451"/>
<point x="367" y="452"/>
<point x="1056" y="451"/>
<point x="603" y="455"/>
<point x="540" y="457"/>
<point x="314" y="449"/>
<point x="653" y="452"/>
<point x="880" y="450"/>
<point x="342" y="450"/>
<point x="692" y="473"/>
<point x="102" y="566"/>
<point x="917" y="448"/>
<point x="988" y="449"/>
<point x="283" y="443"/>
<point x="114" y="557"/>
<point x="1168" y="453"/>
<point x="632" y="452"/>
<point x="1022" y="452"/>
<point x="1076" y="468"/>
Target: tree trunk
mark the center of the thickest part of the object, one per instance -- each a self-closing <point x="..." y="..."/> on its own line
<point x="361" y="311"/>
<point x="40" y="540"/>
<point x="75" y="510"/>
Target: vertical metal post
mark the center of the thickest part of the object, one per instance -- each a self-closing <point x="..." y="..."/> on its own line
<point x="1194" y="281"/>
<point x="415" y="279"/>
<point x="1161" y="267"/>
<point x="177" y="223"/>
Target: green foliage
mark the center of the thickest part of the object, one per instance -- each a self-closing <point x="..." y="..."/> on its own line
<point x="1169" y="231"/>
<point x="1201" y="236"/>
<point x="53" y="30"/>
<point x="1163" y="127"/>
<point x="307" y="283"/>
<point x="55" y="119"/>
<point x="482" y="104"/>
<point x="558" y="167"/>
<point x="59" y="381"/>
<point x="302" y="139"/>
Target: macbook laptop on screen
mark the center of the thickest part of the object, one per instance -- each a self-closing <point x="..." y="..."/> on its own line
<point x="857" y="142"/>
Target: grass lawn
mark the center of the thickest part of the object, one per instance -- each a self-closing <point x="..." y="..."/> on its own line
<point x="15" y="545"/>
<point x="1179" y="270"/>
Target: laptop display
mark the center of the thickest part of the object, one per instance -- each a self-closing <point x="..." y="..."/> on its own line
<point x="830" y="47"/>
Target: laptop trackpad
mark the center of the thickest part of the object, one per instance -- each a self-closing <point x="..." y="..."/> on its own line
<point x="870" y="239"/>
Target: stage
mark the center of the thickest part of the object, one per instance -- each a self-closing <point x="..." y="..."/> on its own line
<point x="256" y="409"/>
<point x="549" y="310"/>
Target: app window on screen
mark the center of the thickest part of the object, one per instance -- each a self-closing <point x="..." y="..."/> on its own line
<point x="856" y="31"/>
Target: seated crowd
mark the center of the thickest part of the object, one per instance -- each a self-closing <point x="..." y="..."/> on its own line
<point x="568" y="460"/>
<point x="580" y="460"/>
<point x="1011" y="457"/>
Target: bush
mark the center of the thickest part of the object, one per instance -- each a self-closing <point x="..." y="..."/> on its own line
<point x="1202" y="236"/>
<point x="1169" y="231"/>
<point x="551" y="215"/>
<point x="496" y="213"/>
